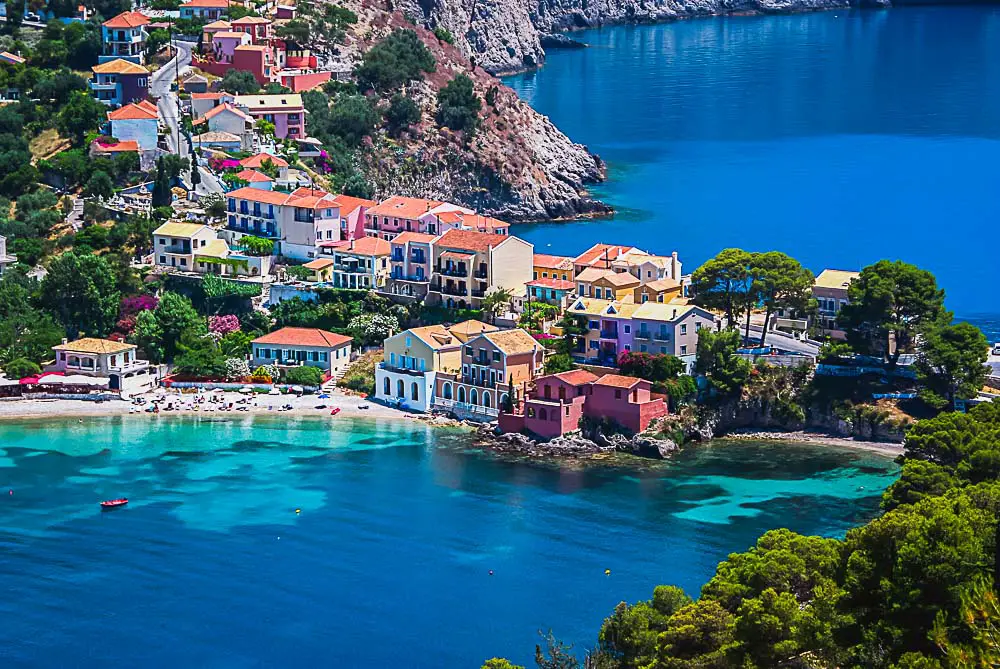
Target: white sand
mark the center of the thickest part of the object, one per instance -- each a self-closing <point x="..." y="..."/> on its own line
<point x="259" y="404"/>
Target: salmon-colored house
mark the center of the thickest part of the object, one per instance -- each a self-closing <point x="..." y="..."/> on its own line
<point x="558" y="401"/>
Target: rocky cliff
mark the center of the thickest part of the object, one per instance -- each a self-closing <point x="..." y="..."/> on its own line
<point x="518" y="166"/>
<point x="505" y="36"/>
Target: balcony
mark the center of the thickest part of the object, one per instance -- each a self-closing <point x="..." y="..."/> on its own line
<point x="418" y="278"/>
<point x="176" y="250"/>
<point x="418" y="258"/>
<point x="642" y="334"/>
<point x="397" y="256"/>
<point x="609" y="334"/>
<point x="350" y="268"/>
<point x="472" y="381"/>
<point x="399" y="370"/>
<point x="481" y="274"/>
<point x="453" y="270"/>
<point x="94" y="86"/>
<point x="662" y="336"/>
<point x="479" y="293"/>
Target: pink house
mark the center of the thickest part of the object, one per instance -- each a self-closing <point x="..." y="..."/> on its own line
<point x="224" y="44"/>
<point x="284" y="110"/>
<point x="558" y="401"/>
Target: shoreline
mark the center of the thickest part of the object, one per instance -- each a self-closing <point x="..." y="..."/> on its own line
<point x="349" y="405"/>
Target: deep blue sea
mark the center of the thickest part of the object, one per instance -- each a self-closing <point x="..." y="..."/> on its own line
<point x="839" y="137"/>
<point x="387" y="564"/>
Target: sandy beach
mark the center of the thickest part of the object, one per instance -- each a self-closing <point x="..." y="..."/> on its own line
<point x="306" y="405"/>
<point x="803" y="437"/>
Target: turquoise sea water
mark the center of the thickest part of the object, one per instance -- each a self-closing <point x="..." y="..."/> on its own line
<point x="387" y="565"/>
<point x="839" y="137"/>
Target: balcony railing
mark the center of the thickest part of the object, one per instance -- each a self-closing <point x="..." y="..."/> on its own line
<point x="462" y="406"/>
<point x="643" y="335"/>
<point x="409" y="277"/>
<point x="397" y="256"/>
<point x="452" y="290"/>
<point x="177" y="250"/>
<point x="419" y="258"/>
<point x="609" y="334"/>
<point x="479" y="293"/>
<point x="401" y="370"/>
<point x="662" y="336"/>
<point x="350" y="268"/>
<point x="481" y="274"/>
<point x="453" y="270"/>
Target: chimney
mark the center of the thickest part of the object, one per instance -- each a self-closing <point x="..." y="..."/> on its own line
<point x="65" y="341"/>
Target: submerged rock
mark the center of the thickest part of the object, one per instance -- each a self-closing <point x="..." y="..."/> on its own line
<point x="560" y="41"/>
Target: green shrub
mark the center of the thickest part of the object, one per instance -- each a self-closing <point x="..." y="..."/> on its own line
<point x="458" y="105"/>
<point x="18" y="368"/>
<point x="304" y="376"/>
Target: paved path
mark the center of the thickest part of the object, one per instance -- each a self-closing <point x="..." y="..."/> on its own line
<point x="75" y="216"/>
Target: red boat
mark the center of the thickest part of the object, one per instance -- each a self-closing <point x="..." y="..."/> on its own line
<point x="113" y="503"/>
<point x="335" y="411"/>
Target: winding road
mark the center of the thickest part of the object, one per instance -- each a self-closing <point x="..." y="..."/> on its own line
<point x="169" y="109"/>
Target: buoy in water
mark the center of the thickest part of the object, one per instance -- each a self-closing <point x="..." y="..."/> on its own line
<point x="298" y="510"/>
<point x="491" y="572"/>
<point x="607" y="572"/>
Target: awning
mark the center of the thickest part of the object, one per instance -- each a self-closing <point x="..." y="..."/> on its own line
<point x="457" y="255"/>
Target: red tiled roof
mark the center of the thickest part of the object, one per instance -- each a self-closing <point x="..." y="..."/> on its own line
<point x="123" y="146"/>
<point x="303" y="337"/>
<point x="404" y="207"/>
<point x="576" y="377"/>
<point x="413" y="237"/>
<point x="137" y="111"/>
<point x="600" y="252"/>
<point x="366" y="246"/>
<point x="225" y="106"/>
<point x="557" y="284"/>
<point x="348" y="204"/>
<point x="258" y="195"/>
<point x="552" y="262"/>
<point x="208" y="96"/>
<point x="251" y="20"/>
<point x="253" y="176"/>
<point x="617" y="381"/>
<point x="126" y="20"/>
<point x="258" y="160"/>
<point x="469" y="240"/>
<point x="119" y="66"/>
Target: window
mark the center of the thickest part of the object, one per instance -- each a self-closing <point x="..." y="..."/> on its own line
<point x="592" y="325"/>
<point x="409" y="341"/>
<point x="628" y="329"/>
<point x="684" y="350"/>
<point x="392" y="359"/>
<point x="628" y="347"/>
<point x="645" y="298"/>
<point x="642" y="348"/>
<point x="468" y="351"/>
<point x="663" y="349"/>
<point x="414" y="391"/>
<point x="323" y="355"/>
<point x="545" y="275"/>
<point x="535" y="276"/>
<point x="163" y="260"/>
<point x="618" y="393"/>
<point x="163" y="242"/>
<point x="598" y="293"/>
<point x="697" y="327"/>
<point x="684" y="328"/>
<point x="496" y="356"/>
<point x="593" y="346"/>
<point x="385" y="387"/>
<point x="399" y="389"/>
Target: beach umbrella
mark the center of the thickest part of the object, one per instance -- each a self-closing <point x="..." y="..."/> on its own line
<point x="246" y="389"/>
<point x="297" y="389"/>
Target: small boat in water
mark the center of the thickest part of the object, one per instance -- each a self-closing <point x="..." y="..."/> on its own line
<point x="114" y="503"/>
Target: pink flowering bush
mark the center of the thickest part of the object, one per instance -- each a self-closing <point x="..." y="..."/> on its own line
<point x="130" y="308"/>
<point x="223" y="325"/>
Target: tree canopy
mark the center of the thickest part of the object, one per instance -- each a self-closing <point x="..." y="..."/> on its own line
<point x="890" y="298"/>
<point x="458" y="105"/>
<point x="82" y="293"/>
<point x="398" y="59"/>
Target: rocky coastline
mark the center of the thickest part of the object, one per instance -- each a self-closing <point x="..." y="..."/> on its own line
<point x="508" y="36"/>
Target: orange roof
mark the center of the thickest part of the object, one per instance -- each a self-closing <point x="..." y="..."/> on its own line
<point x="484" y="223"/>
<point x="11" y="57"/>
<point x="258" y="160"/>
<point x="469" y="240"/>
<point x="122" y="146"/>
<point x="303" y="337"/>
<point x="310" y="198"/>
<point x="231" y="34"/>
<point x="253" y="176"/>
<point x="250" y="47"/>
<point x="214" y="4"/>
<point x="366" y="246"/>
<point x="225" y="106"/>
<point x="217" y="25"/>
<point x="137" y="111"/>
<point x="348" y="204"/>
<point x="599" y="252"/>
<point x="258" y="195"/>
<point x="319" y="263"/>
<point x="126" y="20"/>
<point x="403" y="207"/>
<point x="208" y="96"/>
<point x="557" y="284"/>
<point x="251" y="20"/>
<point x="576" y="377"/>
<point x="553" y="262"/>
<point x="617" y="381"/>
<point x="413" y="237"/>
<point x="119" y="66"/>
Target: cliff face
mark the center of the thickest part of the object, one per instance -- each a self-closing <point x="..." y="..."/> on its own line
<point x="504" y="36"/>
<point x="517" y="167"/>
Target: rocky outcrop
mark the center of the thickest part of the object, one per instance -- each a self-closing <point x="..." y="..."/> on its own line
<point x="518" y="166"/>
<point x="575" y="445"/>
<point x="504" y="36"/>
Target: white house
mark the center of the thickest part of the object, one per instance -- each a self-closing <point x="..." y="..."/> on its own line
<point x="292" y="347"/>
<point x="195" y="247"/>
<point x="103" y="358"/>
<point x="138" y="122"/>
<point x="6" y="260"/>
<point x="227" y="118"/>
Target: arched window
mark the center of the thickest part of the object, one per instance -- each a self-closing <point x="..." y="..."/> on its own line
<point x="414" y="391"/>
<point x="400" y="390"/>
<point x="461" y="394"/>
<point x="543" y="414"/>
<point x="503" y="399"/>
<point x="386" y="387"/>
<point x="473" y="396"/>
<point x="447" y="391"/>
<point x="486" y="399"/>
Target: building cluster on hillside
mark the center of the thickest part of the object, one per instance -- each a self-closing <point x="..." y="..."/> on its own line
<point x="622" y="299"/>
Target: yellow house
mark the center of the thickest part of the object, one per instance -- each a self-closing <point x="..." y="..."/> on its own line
<point x="553" y="267"/>
<point x="661" y="290"/>
<point x="606" y="284"/>
<point x="412" y="359"/>
<point x="321" y="268"/>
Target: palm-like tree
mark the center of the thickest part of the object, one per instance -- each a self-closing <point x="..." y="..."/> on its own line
<point x="496" y="301"/>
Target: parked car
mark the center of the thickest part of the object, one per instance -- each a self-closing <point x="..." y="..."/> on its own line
<point x="31" y="16"/>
